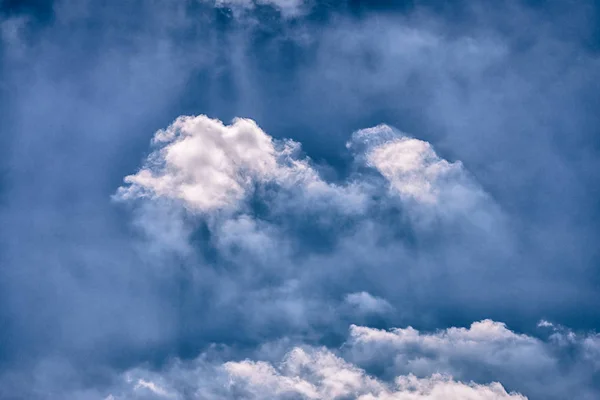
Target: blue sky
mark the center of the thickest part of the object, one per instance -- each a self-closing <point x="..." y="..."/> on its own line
<point x="299" y="199"/>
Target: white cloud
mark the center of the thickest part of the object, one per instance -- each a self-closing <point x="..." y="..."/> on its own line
<point x="204" y="163"/>
<point x="319" y="374"/>
<point x="152" y="387"/>
<point x="419" y="176"/>
<point x="305" y="373"/>
<point x="431" y="189"/>
<point x="264" y="204"/>
<point x="210" y="166"/>
<point x="411" y="166"/>
<point x="545" y="324"/>
<point x="440" y="387"/>
<point x="485" y="351"/>
<point x="486" y="343"/>
<point x="285" y="369"/>
<point x="366" y="303"/>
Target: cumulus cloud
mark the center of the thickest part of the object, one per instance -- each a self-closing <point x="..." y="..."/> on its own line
<point x="486" y="350"/>
<point x="585" y="344"/>
<point x="410" y="165"/>
<point x="487" y="342"/>
<point x="319" y="374"/>
<point x="304" y="373"/>
<point x="420" y="176"/>
<point x="437" y="365"/>
<point x="205" y="164"/>
<point x="270" y="217"/>
<point x="486" y="361"/>
<point x="210" y="166"/>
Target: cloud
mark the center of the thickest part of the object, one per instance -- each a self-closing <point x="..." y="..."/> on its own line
<point x="304" y="373"/>
<point x="487" y="342"/>
<point x="446" y="364"/>
<point x="261" y="227"/>
<point x="364" y="302"/>
<point x="420" y="177"/>
<point x="319" y="374"/>
<point x="484" y="209"/>
<point x="205" y="164"/>
<point x="486" y="361"/>
<point x="410" y="165"/>
<point x="152" y="387"/>
<point x="477" y="363"/>
<point x="210" y="166"/>
<point x="484" y="351"/>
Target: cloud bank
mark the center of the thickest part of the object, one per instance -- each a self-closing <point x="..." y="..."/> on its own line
<point x="448" y="364"/>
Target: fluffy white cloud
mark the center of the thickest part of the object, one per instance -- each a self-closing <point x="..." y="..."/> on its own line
<point x="304" y="373"/>
<point x="204" y="163"/>
<point x="270" y="217"/>
<point x="411" y="166"/>
<point x="487" y="350"/>
<point x="486" y="343"/>
<point x="210" y="166"/>
<point x="285" y="369"/>
<point x="422" y="178"/>
<point x="319" y="374"/>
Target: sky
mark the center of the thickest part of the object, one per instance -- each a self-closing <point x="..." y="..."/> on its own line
<point x="299" y="199"/>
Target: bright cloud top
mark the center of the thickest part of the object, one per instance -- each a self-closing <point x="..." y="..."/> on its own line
<point x="319" y="374"/>
<point x="419" y="176"/>
<point x="210" y="166"/>
<point x="204" y="163"/>
<point x="411" y="166"/>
